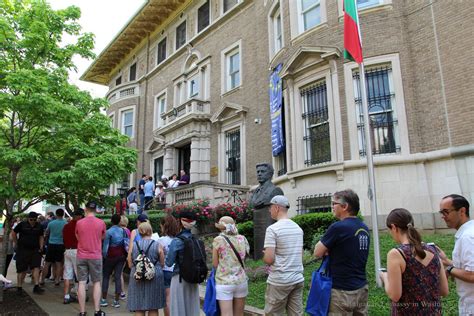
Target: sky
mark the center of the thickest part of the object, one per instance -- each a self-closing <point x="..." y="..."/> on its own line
<point x="104" y="18"/>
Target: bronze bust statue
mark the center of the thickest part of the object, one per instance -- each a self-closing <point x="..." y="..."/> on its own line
<point x="260" y="201"/>
<point x="266" y="190"/>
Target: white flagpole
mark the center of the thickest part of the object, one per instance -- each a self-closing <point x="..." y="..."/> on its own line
<point x="370" y="169"/>
<point x="371" y="193"/>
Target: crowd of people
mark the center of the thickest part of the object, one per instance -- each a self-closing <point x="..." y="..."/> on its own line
<point x="415" y="279"/>
<point x="141" y="199"/>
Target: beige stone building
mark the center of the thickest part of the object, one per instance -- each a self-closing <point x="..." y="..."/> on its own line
<point x="189" y="84"/>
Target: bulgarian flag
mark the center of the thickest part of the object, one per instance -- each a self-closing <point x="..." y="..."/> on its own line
<point x="352" y="39"/>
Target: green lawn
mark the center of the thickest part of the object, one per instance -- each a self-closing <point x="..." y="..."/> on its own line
<point x="379" y="304"/>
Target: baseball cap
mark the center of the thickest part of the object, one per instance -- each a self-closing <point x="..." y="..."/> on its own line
<point x="32" y="215"/>
<point x="142" y="218"/>
<point x="91" y="205"/>
<point x="280" y="200"/>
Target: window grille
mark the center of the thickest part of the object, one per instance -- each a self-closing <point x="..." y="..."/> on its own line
<point x="382" y="115"/>
<point x="320" y="203"/>
<point x="315" y="116"/>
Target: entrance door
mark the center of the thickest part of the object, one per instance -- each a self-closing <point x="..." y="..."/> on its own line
<point x="184" y="159"/>
<point x="158" y="163"/>
<point x="232" y="153"/>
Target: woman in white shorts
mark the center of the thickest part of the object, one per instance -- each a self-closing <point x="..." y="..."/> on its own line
<point x="231" y="279"/>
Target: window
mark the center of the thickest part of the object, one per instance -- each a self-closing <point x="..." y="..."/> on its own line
<point x="203" y="16"/>
<point x="316" y="123"/>
<point x="160" y="108"/>
<point x="310" y="11"/>
<point x="233" y="69"/>
<point x="193" y="85"/>
<point x="320" y="203"/>
<point x="133" y="72"/>
<point x="228" y="4"/>
<point x="277" y="32"/>
<point x="181" y="35"/>
<point x="158" y="167"/>
<point x="382" y="115"/>
<point x="362" y="4"/>
<point x="118" y="81"/>
<point x="127" y="123"/>
<point x="232" y="154"/>
<point x="161" y="51"/>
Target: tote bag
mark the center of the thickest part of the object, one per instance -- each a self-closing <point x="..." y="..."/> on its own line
<point x="211" y="306"/>
<point x="320" y="294"/>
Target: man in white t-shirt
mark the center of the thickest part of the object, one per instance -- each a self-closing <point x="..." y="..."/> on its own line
<point x="454" y="209"/>
<point x="284" y="253"/>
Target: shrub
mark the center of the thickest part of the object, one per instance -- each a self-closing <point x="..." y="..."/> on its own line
<point x="246" y="229"/>
<point x="154" y="219"/>
<point x="240" y="212"/>
<point x="313" y="223"/>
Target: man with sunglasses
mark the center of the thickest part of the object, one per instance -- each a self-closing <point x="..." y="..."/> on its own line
<point x="454" y="210"/>
<point x="29" y="244"/>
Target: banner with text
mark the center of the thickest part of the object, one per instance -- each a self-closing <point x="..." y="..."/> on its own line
<point x="276" y="101"/>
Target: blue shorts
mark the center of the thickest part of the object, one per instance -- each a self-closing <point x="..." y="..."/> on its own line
<point x="167" y="277"/>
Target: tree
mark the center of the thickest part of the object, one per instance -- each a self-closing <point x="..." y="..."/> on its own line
<point x="55" y="142"/>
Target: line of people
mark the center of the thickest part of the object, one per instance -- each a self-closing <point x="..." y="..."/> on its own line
<point x="415" y="280"/>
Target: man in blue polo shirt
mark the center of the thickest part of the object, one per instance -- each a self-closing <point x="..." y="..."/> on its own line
<point x="347" y="244"/>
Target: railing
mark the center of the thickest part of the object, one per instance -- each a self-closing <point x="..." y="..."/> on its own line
<point x="122" y="92"/>
<point x="191" y="107"/>
<point x="216" y="193"/>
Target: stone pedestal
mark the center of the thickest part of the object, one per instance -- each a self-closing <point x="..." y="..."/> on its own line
<point x="261" y="220"/>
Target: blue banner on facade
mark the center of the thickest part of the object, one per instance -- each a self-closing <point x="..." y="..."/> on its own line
<point x="276" y="98"/>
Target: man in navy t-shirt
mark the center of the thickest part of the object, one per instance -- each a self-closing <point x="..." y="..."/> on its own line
<point x="347" y="244"/>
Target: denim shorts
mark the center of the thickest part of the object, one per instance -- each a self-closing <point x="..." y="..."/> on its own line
<point x="167" y="277"/>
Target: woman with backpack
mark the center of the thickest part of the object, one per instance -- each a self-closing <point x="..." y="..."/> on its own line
<point x="228" y="254"/>
<point x="146" y="291"/>
<point x="114" y="252"/>
<point x="169" y="229"/>
<point x="414" y="270"/>
<point x="184" y="296"/>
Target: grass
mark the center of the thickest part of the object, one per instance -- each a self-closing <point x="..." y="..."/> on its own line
<point x="379" y="304"/>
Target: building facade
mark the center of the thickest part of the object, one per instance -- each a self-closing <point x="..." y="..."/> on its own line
<point x="189" y="84"/>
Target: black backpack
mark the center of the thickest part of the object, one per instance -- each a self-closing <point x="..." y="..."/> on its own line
<point x="192" y="263"/>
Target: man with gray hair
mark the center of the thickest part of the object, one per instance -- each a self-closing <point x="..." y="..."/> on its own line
<point x="284" y="253"/>
<point x="347" y="244"/>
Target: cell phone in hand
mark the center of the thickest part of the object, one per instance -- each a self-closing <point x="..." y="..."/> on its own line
<point x="383" y="270"/>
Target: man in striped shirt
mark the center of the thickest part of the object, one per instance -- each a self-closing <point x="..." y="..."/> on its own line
<point x="284" y="253"/>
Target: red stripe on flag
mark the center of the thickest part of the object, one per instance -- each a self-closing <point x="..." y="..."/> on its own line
<point x="351" y="38"/>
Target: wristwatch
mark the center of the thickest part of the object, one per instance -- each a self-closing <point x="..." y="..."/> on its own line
<point x="449" y="269"/>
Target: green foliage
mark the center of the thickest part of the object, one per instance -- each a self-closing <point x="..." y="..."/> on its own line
<point x="246" y="229"/>
<point x="154" y="219"/>
<point x="56" y="143"/>
<point x="313" y="223"/>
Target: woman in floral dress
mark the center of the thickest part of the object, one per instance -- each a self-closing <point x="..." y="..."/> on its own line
<point x="231" y="279"/>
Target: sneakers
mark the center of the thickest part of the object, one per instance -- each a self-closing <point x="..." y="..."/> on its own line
<point x="123" y="296"/>
<point x="38" y="290"/>
<point x="69" y="299"/>
<point x="116" y="304"/>
<point x="103" y="303"/>
<point x="99" y="313"/>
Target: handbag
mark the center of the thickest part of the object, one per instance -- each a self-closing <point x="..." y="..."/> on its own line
<point x="235" y="251"/>
<point x="211" y="306"/>
<point x="319" y="295"/>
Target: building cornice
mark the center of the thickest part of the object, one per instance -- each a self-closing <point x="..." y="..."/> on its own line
<point x="147" y="19"/>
